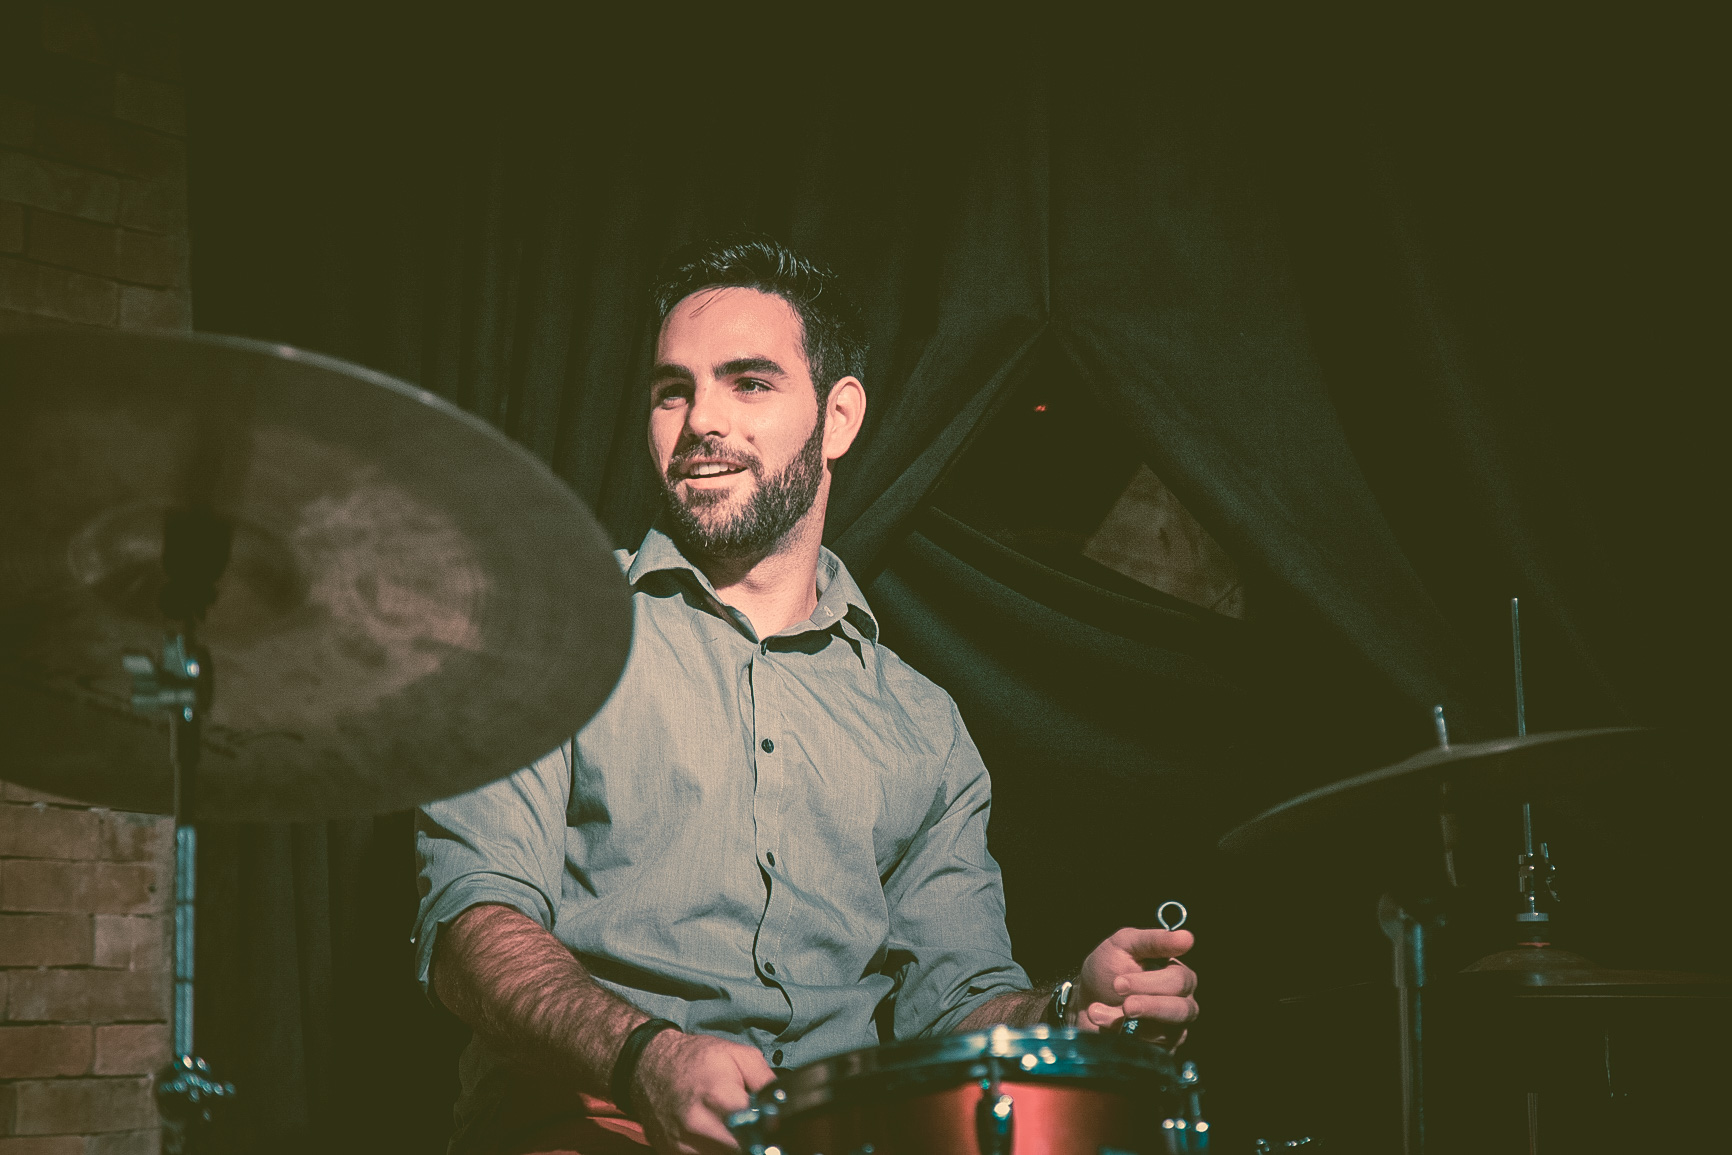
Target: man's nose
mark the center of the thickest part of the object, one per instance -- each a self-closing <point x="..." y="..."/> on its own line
<point x="708" y="413"/>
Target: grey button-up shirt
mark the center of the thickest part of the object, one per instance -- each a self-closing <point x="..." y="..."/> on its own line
<point x="778" y="840"/>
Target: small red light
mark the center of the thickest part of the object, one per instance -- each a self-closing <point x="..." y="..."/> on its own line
<point x="1040" y="408"/>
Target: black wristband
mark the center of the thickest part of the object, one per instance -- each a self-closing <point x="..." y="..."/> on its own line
<point x="625" y="1067"/>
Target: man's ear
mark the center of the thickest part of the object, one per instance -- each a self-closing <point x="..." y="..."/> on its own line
<point x="843" y="414"/>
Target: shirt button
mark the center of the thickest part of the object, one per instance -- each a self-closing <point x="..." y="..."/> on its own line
<point x="770" y="858"/>
<point x="776" y="1059"/>
<point x="769" y="968"/>
<point x="769" y="746"/>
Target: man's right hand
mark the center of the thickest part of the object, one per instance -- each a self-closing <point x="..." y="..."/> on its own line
<point x="688" y="1085"/>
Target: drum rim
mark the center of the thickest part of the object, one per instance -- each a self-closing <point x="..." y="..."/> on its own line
<point x="1026" y="1054"/>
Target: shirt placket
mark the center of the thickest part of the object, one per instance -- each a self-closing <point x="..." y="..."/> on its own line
<point x="768" y="729"/>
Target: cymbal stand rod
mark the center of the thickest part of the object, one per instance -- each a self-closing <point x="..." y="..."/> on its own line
<point x="186" y="1091"/>
<point x="1515" y="629"/>
<point x="183" y="742"/>
<point x="1408" y="925"/>
<point x="1533" y="871"/>
<point x="195" y="553"/>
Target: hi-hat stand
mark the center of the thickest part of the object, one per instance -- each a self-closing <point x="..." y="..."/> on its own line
<point x="195" y="552"/>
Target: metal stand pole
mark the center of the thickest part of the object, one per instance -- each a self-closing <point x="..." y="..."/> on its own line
<point x="185" y="1092"/>
<point x="1407" y="933"/>
<point x="195" y="552"/>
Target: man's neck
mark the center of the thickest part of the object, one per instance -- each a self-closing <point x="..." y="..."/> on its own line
<point x="778" y="589"/>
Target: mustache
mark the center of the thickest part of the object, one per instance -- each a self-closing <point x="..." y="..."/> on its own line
<point x="714" y="451"/>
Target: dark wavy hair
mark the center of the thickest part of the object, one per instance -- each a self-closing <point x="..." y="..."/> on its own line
<point x="833" y="334"/>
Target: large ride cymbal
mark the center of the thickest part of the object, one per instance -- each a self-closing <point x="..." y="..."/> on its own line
<point x="1401" y="802"/>
<point x="412" y="604"/>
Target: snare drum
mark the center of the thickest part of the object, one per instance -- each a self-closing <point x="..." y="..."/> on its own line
<point x="1005" y="1091"/>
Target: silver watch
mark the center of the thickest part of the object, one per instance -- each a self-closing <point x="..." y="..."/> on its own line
<point x="1058" y="1006"/>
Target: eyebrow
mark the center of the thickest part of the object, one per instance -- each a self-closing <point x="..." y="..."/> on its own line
<point x="761" y="365"/>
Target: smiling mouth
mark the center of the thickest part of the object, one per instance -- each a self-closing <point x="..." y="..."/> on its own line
<point x="707" y="470"/>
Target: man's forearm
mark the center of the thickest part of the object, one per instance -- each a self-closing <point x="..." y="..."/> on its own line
<point x="515" y="984"/>
<point x="1016" y="1009"/>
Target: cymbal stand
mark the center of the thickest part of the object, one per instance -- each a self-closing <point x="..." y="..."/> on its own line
<point x="1408" y="923"/>
<point x="1533" y="871"/>
<point x="195" y="551"/>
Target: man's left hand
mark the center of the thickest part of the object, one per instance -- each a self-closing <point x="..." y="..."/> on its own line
<point x="1137" y="974"/>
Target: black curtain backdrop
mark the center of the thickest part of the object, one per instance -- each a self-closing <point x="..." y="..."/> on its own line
<point x="1410" y="324"/>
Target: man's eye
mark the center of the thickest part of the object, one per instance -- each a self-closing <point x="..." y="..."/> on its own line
<point x="751" y="385"/>
<point x="668" y="398"/>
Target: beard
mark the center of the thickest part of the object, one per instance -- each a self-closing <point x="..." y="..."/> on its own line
<point x="775" y="505"/>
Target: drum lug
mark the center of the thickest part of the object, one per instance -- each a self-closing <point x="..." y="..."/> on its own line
<point x="1187" y="1132"/>
<point x="754" y="1127"/>
<point x="994" y="1119"/>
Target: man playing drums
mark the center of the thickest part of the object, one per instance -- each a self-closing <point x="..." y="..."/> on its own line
<point x="769" y="847"/>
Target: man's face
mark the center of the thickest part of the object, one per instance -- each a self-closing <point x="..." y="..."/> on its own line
<point x="735" y="429"/>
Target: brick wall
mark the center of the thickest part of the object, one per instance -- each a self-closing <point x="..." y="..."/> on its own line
<point x="92" y="233"/>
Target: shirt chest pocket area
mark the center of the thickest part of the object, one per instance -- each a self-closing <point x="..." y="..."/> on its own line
<point x="861" y="794"/>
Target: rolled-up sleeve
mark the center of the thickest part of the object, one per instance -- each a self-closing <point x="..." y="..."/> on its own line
<point x="502" y="843"/>
<point x="946" y="901"/>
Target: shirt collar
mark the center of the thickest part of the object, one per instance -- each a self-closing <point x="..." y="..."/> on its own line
<point x="839" y="598"/>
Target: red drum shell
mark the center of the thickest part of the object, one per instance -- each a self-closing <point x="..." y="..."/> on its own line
<point x="1070" y="1094"/>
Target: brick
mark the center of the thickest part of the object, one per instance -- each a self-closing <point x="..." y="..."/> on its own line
<point x="74" y="138"/>
<point x="44" y="1145"/>
<point x="82" y="1105"/>
<point x="35" y="884"/>
<point x="142" y="308"/>
<point x="28" y="287"/>
<point x="130" y="837"/>
<point x="151" y="155"/>
<point x="152" y="49"/>
<point x="46" y="1051"/>
<point x="59" y="188"/>
<point x="70" y="31"/>
<point x="11" y="228"/>
<point x="151" y="103"/>
<point x="46" y="940"/>
<point x="149" y="259"/>
<point x="125" y="1143"/>
<point x="77" y="297"/>
<point x="138" y="943"/>
<point x="41" y="831"/>
<point x="153" y="206"/>
<point x="70" y="243"/>
<point x="11" y="320"/>
<point x="17" y="121"/>
<point x="18" y="286"/>
<point x="131" y="1049"/>
<point x="12" y="792"/>
<point x="59" y="81"/>
<point x="86" y="996"/>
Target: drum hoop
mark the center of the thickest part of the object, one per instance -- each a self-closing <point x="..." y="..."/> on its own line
<point x="1035" y="1054"/>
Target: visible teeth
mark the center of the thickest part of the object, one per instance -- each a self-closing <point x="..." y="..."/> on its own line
<point x="710" y="470"/>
